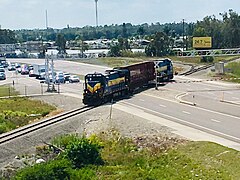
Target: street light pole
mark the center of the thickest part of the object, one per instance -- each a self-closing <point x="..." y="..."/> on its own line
<point x="183" y="36"/>
<point x="96" y="1"/>
<point x="156" y="75"/>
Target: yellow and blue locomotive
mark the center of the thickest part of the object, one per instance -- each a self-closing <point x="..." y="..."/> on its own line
<point x="100" y="88"/>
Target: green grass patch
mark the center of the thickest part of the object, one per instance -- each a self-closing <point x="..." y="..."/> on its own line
<point x="111" y="61"/>
<point x="7" y="91"/>
<point x="122" y="61"/>
<point x="16" y="112"/>
<point x="234" y="68"/>
<point x="163" y="158"/>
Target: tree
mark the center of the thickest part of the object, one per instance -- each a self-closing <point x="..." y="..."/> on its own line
<point x="141" y="31"/>
<point x="159" y="45"/>
<point x="61" y="43"/>
<point x="124" y="31"/>
<point x="7" y="36"/>
<point x="231" y="28"/>
<point x="82" y="45"/>
<point x="115" y="51"/>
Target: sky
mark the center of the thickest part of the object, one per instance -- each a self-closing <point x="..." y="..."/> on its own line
<point x="31" y="14"/>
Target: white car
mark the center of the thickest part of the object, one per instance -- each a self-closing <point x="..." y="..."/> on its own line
<point x="74" y="78"/>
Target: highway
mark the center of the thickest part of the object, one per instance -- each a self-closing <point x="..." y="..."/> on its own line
<point x="216" y="111"/>
<point x="199" y="118"/>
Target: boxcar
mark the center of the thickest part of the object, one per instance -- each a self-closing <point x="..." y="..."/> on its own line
<point x="139" y="74"/>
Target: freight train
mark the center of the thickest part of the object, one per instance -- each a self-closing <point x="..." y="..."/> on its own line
<point x="120" y="81"/>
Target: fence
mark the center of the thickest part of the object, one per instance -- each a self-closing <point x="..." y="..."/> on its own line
<point x="17" y="89"/>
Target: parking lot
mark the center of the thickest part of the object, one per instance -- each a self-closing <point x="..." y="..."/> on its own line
<point x="63" y="82"/>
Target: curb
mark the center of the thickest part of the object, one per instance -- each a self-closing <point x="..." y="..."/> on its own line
<point x="179" y="96"/>
<point x="230" y="102"/>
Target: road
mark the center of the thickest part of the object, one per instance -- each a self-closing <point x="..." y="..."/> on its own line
<point x="66" y="66"/>
<point x="218" y="119"/>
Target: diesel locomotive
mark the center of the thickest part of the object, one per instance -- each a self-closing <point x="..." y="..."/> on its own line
<point x="120" y="81"/>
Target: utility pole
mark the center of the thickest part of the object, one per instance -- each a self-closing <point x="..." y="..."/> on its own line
<point x="46" y="20"/>
<point x="156" y="74"/>
<point x="183" y="34"/>
<point x="96" y="1"/>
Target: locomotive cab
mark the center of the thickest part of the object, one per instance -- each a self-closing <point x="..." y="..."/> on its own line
<point x="94" y="88"/>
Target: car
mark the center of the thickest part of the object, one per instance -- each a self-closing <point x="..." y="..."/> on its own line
<point x="66" y="76"/>
<point x="30" y="67"/>
<point x="74" y="78"/>
<point x="2" y="70"/>
<point x="11" y="67"/>
<point x="24" y="69"/>
<point x="2" y="76"/>
<point x="60" y="78"/>
<point x="31" y="73"/>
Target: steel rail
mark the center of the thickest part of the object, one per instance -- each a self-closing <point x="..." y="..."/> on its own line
<point x="6" y="137"/>
<point x="194" y="70"/>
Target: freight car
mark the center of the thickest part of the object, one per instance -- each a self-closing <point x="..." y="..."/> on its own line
<point x="100" y="88"/>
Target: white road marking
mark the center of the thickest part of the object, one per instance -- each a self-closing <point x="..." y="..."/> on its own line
<point x="214" y="120"/>
<point x="185" y="112"/>
<point x="210" y="93"/>
<point x="186" y="122"/>
<point x="141" y="100"/>
<point x="162" y="105"/>
<point x="207" y="110"/>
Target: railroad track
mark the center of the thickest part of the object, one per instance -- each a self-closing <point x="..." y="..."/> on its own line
<point x="6" y="137"/>
<point x="194" y="69"/>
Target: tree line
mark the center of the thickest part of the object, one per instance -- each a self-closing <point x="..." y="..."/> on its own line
<point x="225" y="33"/>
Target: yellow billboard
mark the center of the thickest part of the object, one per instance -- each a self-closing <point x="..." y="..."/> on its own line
<point x="202" y="42"/>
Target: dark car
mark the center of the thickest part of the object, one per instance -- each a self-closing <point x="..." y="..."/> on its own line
<point x="2" y="76"/>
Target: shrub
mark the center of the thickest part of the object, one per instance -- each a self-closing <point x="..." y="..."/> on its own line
<point x="207" y="59"/>
<point x="3" y="128"/>
<point x="83" y="152"/>
<point x="57" y="169"/>
<point x="65" y="140"/>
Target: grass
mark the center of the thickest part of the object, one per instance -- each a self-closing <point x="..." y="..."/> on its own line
<point x="122" y="61"/>
<point x="7" y="91"/>
<point x="191" y="160"/>
<point x="16" y="112"/>
<point x="160" y="158"/>
<point x="111" y="61"/>
<point x="234" y="68"/>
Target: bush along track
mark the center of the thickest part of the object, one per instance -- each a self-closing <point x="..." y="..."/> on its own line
<point x="111" y="156"/>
